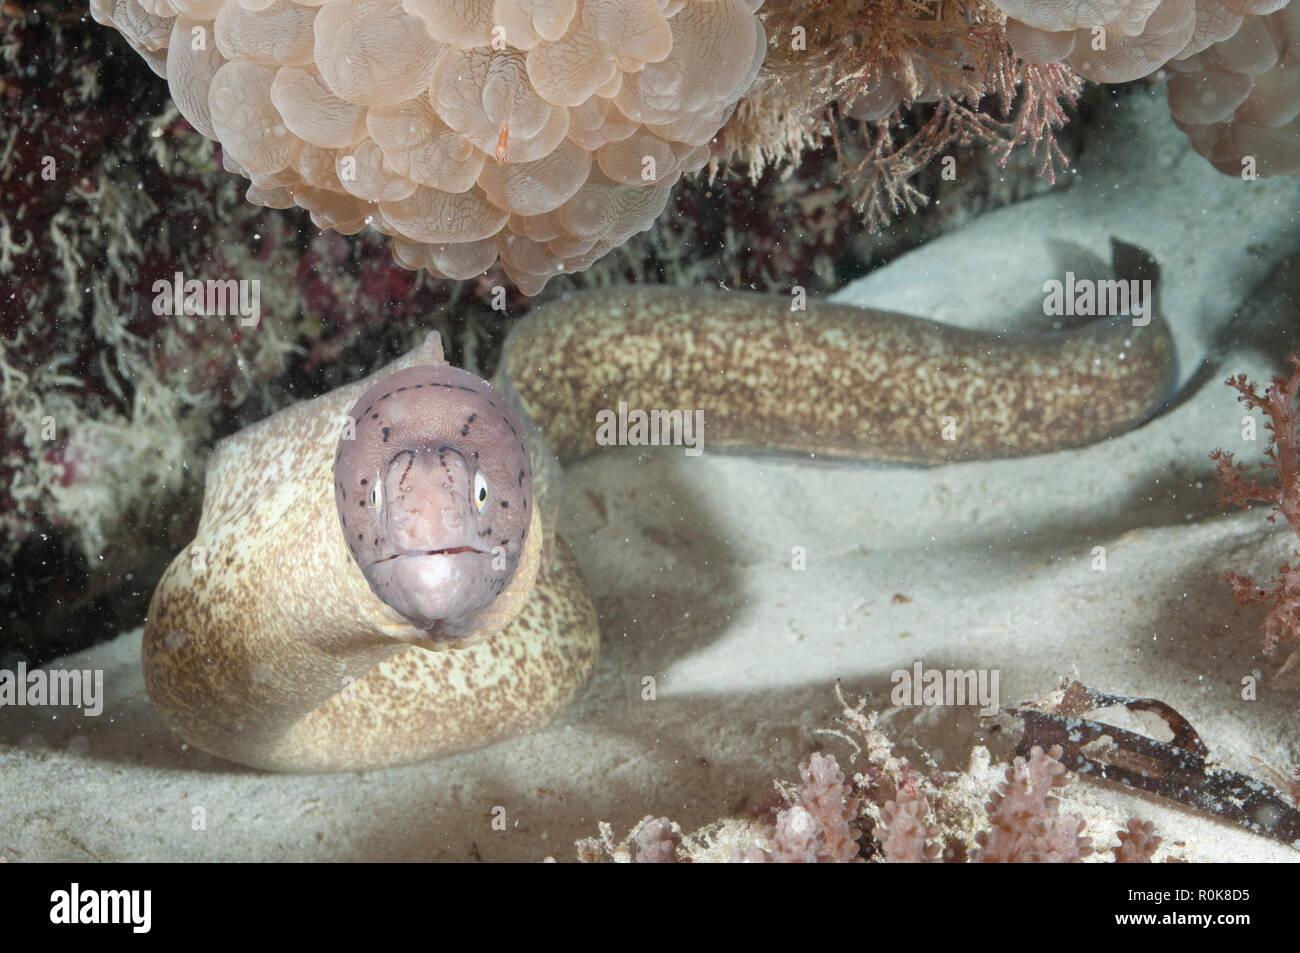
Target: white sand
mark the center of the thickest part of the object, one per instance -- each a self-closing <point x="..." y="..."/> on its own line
<point x="689" y="562"/>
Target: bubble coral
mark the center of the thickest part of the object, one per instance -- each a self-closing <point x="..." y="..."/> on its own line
<point x="1241" y="97"/>
<point x="1114" y="41"/>
<point x="545" y="133"/>
<point x="1233" y="90"/>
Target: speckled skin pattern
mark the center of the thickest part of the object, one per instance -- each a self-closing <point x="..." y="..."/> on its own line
<point x="265" y="644"/>
<point x="834" y="380"/>
<point x="274" y="651"/>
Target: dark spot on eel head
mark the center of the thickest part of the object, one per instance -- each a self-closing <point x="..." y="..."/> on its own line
<point x="386" y="434"/>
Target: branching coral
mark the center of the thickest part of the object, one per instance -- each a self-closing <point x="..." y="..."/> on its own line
<point x="546" y="134"/>
<point x="918" y="819"/>
<point x="816" y="826"/>
<point x="903" y="835"/>
<point x="1233" y="91"/>
<point x="1278" y="403"/>
<point x="872" y="60"/>
<point x="819" y="826"/>
<point x="828" y="798"/>
<point x="1027" y="823"/>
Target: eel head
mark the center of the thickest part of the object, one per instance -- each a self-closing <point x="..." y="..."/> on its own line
<point x="434" y="494"/>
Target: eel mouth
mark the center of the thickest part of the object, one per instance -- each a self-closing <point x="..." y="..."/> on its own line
<point x="448" y="551"/>
<point x="444" y="586"/>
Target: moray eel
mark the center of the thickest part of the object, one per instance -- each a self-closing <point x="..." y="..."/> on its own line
<point x="376" y="579"/>
<point x="838" y="381"/>
<point x="269" y="643"/>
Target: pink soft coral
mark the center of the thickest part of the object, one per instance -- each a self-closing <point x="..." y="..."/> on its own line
<point x="1137" y="843"/>
<point x="1278" y="402"/>
<point x="902" y="832"/>
<point x="1027" y="823"/>
<point x="818" y="827"/>
<point x="656" y="841"/>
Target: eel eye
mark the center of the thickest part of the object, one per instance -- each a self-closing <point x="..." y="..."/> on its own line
<point x="377" y="496"/>
<point x="480" y="490"/>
